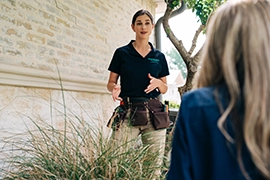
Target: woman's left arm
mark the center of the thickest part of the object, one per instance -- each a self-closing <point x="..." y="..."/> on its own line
<point x="157" y="83"/>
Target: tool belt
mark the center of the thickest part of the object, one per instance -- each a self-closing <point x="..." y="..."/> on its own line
<point x="138" y="111"/>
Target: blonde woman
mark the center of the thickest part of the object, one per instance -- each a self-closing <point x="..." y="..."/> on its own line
<point x="223" y="129"/>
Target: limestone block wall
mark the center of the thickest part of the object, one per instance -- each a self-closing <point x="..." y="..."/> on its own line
<point x="20" y="106"/>
<point x="53" y="47"/>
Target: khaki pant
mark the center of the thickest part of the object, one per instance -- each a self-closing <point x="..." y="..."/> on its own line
<point x="149" y="136"/>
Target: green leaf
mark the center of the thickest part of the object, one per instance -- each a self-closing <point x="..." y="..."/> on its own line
<point x="203" y="8"/>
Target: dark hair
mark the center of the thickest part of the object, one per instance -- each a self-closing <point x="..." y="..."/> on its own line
<point x="142" y="12"/>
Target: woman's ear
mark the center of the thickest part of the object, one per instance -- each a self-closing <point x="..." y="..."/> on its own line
<point x="132" y="27"/>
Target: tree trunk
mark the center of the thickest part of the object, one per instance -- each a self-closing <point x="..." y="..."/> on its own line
<point x="191" y="62"/>
<point x="192" y="65"/>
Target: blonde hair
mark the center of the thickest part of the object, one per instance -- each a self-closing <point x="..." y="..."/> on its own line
<point x="237" y="53"/>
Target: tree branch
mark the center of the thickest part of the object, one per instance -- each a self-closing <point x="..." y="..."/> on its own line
<point x="177" y="44"/>
<point x="199" y="52"/>
<point x="195" y="38"/>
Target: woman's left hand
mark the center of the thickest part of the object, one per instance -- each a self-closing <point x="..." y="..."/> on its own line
<point x="154" y="84"/>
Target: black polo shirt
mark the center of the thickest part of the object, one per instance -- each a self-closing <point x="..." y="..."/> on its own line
<point x="133" y="70"/>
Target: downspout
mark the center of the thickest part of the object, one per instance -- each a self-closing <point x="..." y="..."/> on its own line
<point x="158" y="24"/>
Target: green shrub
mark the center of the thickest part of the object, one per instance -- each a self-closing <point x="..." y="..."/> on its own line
<point x="80" y="153"/>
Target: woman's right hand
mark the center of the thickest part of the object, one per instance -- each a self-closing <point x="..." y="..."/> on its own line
<point x="115" y="92"/>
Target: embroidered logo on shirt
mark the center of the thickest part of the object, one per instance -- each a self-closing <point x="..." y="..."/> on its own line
<point x="153" y="60"/>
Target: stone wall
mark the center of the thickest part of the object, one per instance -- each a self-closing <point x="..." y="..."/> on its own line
<point x="54" y="56"/>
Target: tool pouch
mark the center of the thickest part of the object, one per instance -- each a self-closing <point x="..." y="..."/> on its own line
<point x="159" y="116"/>
<point x="117" y="118"/>
<point x="139" y="114"/>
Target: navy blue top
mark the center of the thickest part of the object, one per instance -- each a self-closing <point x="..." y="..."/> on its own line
<point x="133" y="70"/>
<point x="199" y="150"/>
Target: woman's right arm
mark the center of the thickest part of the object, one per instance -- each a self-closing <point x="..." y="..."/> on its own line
<point x="113" y="87"/>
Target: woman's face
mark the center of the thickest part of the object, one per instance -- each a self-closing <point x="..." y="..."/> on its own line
<point x="143" y="27"/>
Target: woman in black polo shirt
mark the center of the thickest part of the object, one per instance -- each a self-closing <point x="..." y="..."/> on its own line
<point x="142" y="70"/>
